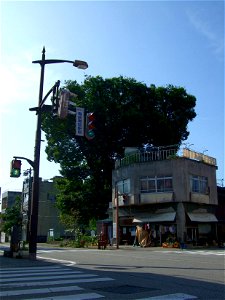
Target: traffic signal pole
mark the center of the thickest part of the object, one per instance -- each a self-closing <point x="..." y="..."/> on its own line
<point x="36" y="164"/>
<point x="33" y="227"/>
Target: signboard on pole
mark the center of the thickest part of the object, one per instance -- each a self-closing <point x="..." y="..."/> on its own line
<point x="80" y="121"/>
<point x="114" y="230"/>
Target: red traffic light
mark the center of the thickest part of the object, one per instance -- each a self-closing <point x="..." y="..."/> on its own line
<point x="16" y="164"/>
<point x="90" y="126"/>
<point x="91" y="117"/>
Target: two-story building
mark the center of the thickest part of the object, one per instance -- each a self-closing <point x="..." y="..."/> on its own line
<point x="171" y="196"/>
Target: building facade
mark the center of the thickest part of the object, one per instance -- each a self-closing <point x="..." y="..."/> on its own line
<point x="49" y="225"/>
<point x="220" y="214"/>
<point x="173" y="197"/>
<point x="9" y="199"/>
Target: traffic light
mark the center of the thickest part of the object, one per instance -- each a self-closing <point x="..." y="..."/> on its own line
<point x="90" y="126"/>
<point x="63" y="104"/>
<point x="15" y="169"/>
<point x="66" y="106"/>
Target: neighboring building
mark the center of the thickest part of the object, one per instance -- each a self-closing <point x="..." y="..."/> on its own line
<point x="171" y="196"/>
<point x="48" y="214"/>
<point x="220" y="214"/>
<point x="9" y="198"/>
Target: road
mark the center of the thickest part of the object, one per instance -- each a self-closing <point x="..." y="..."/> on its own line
<point x="127" y="273"/>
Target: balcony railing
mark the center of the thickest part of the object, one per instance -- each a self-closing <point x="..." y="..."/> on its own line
<point x="162" y="154"/>
<point x="139" y="157"/>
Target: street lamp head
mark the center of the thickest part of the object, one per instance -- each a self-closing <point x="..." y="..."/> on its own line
<point x="80" y="64"/>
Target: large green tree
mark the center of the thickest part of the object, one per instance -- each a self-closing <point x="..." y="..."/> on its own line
<point x="128" y="114"/>
<point x="12" y="216"/>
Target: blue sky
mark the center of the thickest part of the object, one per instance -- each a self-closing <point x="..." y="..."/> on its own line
<point x="155" y="42"/>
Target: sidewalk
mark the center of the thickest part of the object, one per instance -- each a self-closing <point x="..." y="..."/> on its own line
<point x="10" y="262"/>
<point x="7" y="262"/>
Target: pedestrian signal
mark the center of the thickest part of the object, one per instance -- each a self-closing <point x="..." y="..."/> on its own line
<point x="15" y="169"/>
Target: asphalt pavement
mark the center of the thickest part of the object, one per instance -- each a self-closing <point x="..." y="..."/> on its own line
<point x="13" y="262"/>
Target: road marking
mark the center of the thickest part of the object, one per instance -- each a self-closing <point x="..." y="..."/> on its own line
<point x="200" y="252"/>
<point x="72" y="297"/>
<point x="178" y="296"/>
<point x="24" y="269"/>
<point x="40" y="291"/>
<point x="59" y="282"/>
<point x="27" y="273"/>
<point x="34" y="278"/>
<point x="62" y="261"/>
<point x="54" y="281"/>
<point x="206" y="252"/>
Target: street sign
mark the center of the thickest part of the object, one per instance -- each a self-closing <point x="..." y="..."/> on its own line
<point x="80" y="121"/>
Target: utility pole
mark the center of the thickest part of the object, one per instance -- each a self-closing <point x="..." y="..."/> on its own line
<point x="36" y="163"/>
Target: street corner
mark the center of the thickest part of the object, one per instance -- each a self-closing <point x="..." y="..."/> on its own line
<point x="17" y="261"/>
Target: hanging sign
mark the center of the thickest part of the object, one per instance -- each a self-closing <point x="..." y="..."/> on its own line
<point x="80" y="121"/>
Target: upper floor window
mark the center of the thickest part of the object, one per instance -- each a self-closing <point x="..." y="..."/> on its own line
<point x="123" y="186"/>
<point x="199" y="184"/>
<point x="161" y="184"/>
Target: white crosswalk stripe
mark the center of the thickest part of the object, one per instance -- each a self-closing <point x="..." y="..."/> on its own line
<point x="87" y="296"/>
<point x="195" y="252"/>
<point x="177" y="296"/>
<point x="47" y="281"/>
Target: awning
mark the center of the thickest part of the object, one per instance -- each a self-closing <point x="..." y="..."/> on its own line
<point x="155" y="218"/>
<point x="202" y="217"/>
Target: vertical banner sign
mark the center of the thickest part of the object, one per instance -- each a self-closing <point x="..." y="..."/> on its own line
<point x="80" y="121"/>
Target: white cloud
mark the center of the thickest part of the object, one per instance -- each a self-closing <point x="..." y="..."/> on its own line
<point x="207" y="27"/>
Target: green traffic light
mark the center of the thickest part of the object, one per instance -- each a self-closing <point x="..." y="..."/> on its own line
<point x="91" y="134"/>
<point x="15" y="168"/>
<point x="15" y="173"/>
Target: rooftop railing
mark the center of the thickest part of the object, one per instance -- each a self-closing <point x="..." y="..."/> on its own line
<point x="162" y="154"/>
<point x="139" y="157"/>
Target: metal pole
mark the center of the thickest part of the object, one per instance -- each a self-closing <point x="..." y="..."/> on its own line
<point x="35" y="187"/>
<point x="117" y="218"/>
<point x="29" y="204"/>
<point x="36" y="163"/>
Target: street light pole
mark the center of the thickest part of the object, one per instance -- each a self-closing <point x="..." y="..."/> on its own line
<point x="117" y="215"/>
<point x="36" y="163"/>
<point x="35" y="186"/>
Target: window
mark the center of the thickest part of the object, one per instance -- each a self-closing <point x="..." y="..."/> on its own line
<point x="123" y="186"/>
<point x="156" y="184"/>
<point x="199" y="184"/>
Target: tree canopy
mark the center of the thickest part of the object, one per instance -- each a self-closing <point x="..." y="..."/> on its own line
<point x="128" y="113"/>
<point x="12" y="216"/>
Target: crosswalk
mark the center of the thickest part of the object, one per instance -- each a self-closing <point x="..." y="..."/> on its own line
<point x="216" y="252"/>
<point x="47" y="282"/>
<point x="58" y="282"/>
<point x="195" y="252"/>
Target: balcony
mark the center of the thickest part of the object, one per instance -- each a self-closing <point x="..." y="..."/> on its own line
<point x="147" y="156"/>
<point x="162" y="154"/>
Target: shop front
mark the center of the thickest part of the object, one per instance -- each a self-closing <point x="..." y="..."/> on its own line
<point x="161" y="226"/>
<point x="201" y="228"/>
